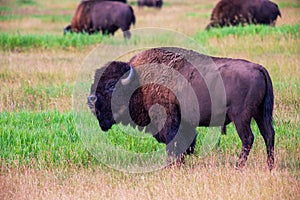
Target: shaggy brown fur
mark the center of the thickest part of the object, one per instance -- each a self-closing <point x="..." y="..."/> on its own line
<point x="248" y="94"/>
<point x="81" y="20"/>
<point x="98" y="15"/>
<point x="234" y="12"/>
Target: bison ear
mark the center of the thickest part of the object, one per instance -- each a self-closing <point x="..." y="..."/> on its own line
<point x="127" y="80"/>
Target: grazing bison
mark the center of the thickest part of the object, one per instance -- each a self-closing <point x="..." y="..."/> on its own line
<point x="105" y="16"/>
<point x="248" y="93"/>
<point x="234" y="12"/>
<point x="124" y="1"/>
<point x="150" y="3"/>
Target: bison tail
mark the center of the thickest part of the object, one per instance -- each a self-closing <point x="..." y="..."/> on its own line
<point x="266" y="125"/>
<point x="278" y="11"/>
<point x="269" y="98"/>
<point x="279" y="14"/>
<point x="133" y="16"/>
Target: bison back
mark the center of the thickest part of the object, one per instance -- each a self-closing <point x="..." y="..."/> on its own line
<point x="112" y="15"/>
<point x="81" y="20"/>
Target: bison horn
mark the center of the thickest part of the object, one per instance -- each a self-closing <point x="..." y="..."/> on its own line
<point x="127" y="80"/>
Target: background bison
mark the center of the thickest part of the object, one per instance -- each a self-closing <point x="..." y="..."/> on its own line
<point x="124" y="1"/>
<point x="105" y="16"/>
<point x="150" y="3"/>
<point x="248" y="88"/>
<point x="234" y="12"/>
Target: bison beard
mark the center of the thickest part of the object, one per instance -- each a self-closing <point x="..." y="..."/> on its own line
<point x="248" y="88"/>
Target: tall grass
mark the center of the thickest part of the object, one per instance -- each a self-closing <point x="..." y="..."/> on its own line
<point x="10" y="17"/>
<point x="36" y="97"/>
<point x="249" y="30"/>
<point x="9" y="41"/>
<point x="26" y="2"/>
<point x="50" y="139"/>
<point x="4" y="9"/>
<point x="44" y="18"/>
<point x="185" y="183"/>
<point x="18" y="41"/>
<point x="40" y="140"/>
<point x="42" y="155"/>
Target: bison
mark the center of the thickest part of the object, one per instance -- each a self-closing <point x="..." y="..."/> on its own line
<point x="106" y="16"/>
<point x="235" y="12"/>
<point x="126" y="92"/>
<point x="150" y="3"/>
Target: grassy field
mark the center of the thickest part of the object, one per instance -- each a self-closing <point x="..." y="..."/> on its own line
<point x="42" y="154"/>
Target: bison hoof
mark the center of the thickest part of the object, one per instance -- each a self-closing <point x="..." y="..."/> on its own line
<point x="270" y="164"/>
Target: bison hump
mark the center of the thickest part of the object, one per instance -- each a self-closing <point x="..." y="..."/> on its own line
<point x="158" y="56"/>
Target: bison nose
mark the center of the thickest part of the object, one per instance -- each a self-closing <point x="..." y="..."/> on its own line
<point x="92" y="99"/>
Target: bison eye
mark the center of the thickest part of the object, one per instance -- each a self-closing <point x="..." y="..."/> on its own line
<point x="110" y="87"/>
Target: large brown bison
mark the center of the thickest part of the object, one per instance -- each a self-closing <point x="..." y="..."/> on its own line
<point x="106" y="16"/>
<point x="185" y="96"/>
<point x="234" y="12"/>
<point x="150" y="3"/>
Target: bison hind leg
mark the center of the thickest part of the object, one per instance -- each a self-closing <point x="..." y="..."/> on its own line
<point x="247" y="138"/>
<point x="267" y="131"/>
<point x="223" y="130"/>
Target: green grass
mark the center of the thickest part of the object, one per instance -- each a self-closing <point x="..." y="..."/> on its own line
<point x="119" y="137"/>
<point x="42" y="149"/>
<point x="288" y="5"/>
<point x="26" y="2"/>
<point x="5" y="9"/>
<point x="11" y="17"/>
<point x="249" y="30"/>
<point x="50" y="139"/>
<point x="40" y="139"/>
<point x="9" y="42"/>
<point x="44" y="18"/>
<point x="18" y="41"/>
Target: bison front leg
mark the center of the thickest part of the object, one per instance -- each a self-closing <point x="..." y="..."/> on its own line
<point x="181" y="144"/>
<point x="127" y="34"/>
<point x="247" y="138"/>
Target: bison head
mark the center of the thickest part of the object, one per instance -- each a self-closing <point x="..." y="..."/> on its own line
<point x="105" y="83"/>
<point x="158" y="3"/>
<point x="67" y="29"/>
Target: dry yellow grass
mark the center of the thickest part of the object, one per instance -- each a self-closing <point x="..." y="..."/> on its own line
<point x="35" y="71"/>
<point x="198" y="182"/>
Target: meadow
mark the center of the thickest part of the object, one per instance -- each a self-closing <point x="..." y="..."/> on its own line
<point x="42" y="155"/>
